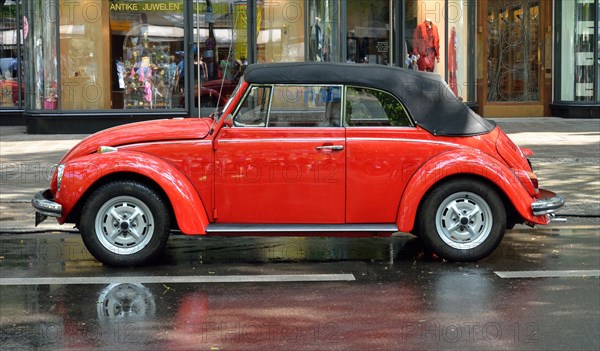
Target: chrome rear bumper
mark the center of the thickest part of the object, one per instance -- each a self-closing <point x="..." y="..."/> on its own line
<point x="548" y="203"/>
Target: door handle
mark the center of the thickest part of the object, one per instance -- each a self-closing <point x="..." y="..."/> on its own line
<point x="331" y="147"/>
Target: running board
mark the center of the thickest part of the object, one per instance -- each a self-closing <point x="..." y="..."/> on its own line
<point x="293" y="228"/>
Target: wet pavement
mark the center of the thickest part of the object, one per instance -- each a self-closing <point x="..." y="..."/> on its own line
<point x="398" y="296"/>
<point x="307" y="293"/>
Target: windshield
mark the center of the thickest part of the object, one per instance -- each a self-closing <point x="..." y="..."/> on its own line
<point x="229" y="102"/>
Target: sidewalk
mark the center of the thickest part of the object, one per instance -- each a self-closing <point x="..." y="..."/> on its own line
<point x="566" y="158"/>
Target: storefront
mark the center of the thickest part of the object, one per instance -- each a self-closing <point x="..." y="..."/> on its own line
<point x="577" y="59"/>
<point x="90" y="64"/>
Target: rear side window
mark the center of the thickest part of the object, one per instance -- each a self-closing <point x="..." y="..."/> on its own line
<point x="306" y="106"/>
<point x="374" y="108"/>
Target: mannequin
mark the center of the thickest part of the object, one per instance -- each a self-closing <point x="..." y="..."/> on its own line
<point x="316" y="41"/>
<point x="426" y="45"/>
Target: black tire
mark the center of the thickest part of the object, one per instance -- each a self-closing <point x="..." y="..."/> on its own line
<point x="472" y="233"/>
<point x="125" y="223"/>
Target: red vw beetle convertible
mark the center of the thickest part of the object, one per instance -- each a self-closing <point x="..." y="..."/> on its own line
<point x="303" y="149"/>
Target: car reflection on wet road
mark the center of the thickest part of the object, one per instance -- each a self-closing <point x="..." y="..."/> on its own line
<point x="340" y="294"/>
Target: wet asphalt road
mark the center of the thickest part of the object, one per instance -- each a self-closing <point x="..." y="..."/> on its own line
<point x="363" y="294"/>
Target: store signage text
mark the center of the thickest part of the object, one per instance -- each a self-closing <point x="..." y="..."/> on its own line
<point x="147" y="6"/>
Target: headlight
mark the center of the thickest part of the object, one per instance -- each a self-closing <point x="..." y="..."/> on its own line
<point x="60" y="171"/>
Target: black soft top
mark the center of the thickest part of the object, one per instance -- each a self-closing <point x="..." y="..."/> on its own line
<point x="426" y="96"/>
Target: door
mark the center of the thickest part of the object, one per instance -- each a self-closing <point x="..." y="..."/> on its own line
<point x="283" y="160"/>
<point x="517" y="67"/>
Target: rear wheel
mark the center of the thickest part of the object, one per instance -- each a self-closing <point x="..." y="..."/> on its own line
<point x="462" y="220"/>
<point x="125" y="223"/>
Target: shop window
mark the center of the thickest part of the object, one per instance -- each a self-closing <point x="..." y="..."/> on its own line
<point x="220" y="52"/>
<point x="578" y="62"/>
<point x="11" y="85"/>
<point x="438" y="38"/>
<point x="147" y="57"/>
<point x="368" y="31"/>
<point x="84" y="58"/>
<point x="323" y="29"/>
<point x="460" y="51"/>
<point x="280" y="31"/>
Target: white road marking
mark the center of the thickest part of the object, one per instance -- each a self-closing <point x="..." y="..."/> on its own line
<point x="190" y="279"/>
<point x="549" y="274"/>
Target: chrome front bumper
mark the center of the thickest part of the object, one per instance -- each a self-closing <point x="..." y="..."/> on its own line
<point x="549" y="203"/>
<point x="45" y="207"/>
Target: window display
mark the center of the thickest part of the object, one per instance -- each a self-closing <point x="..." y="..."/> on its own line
<point x="461" y="49"/>
<point x="439" y="37"/>
<point x="426" y="45"/>
<point x="147" y="65"/>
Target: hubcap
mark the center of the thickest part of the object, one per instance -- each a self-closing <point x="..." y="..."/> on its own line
<point x="464" y="220"/>
<point x="124" y="225"/>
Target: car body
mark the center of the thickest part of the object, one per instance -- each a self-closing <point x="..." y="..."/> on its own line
<point x="304" y="149"/>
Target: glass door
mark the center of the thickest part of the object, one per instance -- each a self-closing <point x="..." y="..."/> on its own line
<point x="514" y="51"/>
<point x="513" y="56"/>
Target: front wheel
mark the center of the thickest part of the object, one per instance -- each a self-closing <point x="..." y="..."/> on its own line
<point x="125" y="223"/>
<point x="462" y="220"/>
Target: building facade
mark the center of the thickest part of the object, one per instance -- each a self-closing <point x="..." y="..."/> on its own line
<point x="79" y="66"/>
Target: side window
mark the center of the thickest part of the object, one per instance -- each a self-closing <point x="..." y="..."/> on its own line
<point x="253" y="111"/>
<point x="369" y="107"/>
<point x="306" y="106"/>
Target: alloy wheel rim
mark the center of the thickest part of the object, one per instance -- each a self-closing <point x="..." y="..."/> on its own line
<point x="464" y="220"/>
<point x="124" y="225"/>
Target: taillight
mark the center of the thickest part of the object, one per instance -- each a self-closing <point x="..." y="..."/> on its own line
<point x="529" y="180"/>
<point x="534" y="181"/>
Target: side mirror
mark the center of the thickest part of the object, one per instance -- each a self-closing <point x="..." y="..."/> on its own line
<point x="228" y="121"/>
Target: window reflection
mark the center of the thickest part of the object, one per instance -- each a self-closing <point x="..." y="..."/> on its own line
<point x="280" y="33"/>
<point x="324" y="44"/>
<point x="220" y="51"/>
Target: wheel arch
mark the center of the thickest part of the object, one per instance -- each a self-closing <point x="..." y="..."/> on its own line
<point x="185" y="204"/>
<point x="446" y="168"/>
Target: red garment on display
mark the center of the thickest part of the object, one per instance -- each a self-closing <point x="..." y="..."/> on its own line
<point x="426" y="43"/>
<point x="452" y="63"/>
